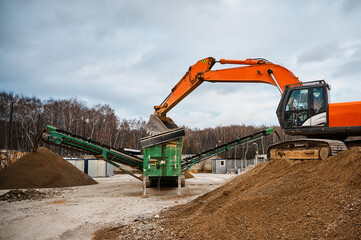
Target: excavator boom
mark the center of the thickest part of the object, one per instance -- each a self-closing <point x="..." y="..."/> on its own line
<point x="190" y="81"/>
<point x="254" y="71"/>
<point x="250" y="70"/>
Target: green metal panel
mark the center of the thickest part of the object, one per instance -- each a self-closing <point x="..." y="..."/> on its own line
<point x="163" y="160"/>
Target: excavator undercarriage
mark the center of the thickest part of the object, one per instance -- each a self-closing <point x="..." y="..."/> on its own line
<point x="305" y="149"/>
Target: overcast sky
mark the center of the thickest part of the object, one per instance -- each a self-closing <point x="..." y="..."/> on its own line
<point x="129" y="54"/>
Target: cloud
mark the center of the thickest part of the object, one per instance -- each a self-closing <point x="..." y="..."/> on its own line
<point x="319" y="53"/>
<point x="329" y="51"/>
<point x="130" y="54"/>
<point x="253" y="104"/>
<point x="349" y="6"/>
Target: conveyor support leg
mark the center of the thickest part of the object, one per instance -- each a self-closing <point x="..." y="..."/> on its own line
<point x="144" y="185"/>
<point x="179" y="185"/>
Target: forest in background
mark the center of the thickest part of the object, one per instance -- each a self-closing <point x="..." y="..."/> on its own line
<point x="30" y="115"/>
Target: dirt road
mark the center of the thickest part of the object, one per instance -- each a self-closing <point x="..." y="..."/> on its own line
<point x="76" y="212"/>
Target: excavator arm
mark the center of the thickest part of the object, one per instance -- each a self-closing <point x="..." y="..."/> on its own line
<point x="249" y="71"/>
<point x="190" y="81"/>
<point x="254" y="71"/>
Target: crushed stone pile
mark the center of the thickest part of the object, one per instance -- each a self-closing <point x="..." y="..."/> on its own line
<point x="28" y="194"/>
<point x="281" y="199"/>
<point x="19" y="195"/>
<point x="42" y="169"/>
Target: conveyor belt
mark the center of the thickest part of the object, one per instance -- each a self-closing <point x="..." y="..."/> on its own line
<point x="64" y="139"/>
<point x="190" y="161"/>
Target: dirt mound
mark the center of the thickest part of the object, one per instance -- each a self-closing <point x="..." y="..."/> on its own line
<point x="108" y="233"/>
<point x="43" y="169"/>
<point x="276" y="200"/>
<point x="343" y="168"/>
<point x="279" y="199"/>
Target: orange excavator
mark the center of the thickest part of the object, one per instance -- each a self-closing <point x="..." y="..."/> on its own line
<point x="304" y="108"/>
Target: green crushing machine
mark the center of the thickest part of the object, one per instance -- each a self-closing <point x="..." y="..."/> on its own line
<point x="162" y="159"/>
<point x="162" y="162"/>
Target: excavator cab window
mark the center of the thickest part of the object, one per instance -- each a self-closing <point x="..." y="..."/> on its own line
<point x="318" y="101"/>
<point x="297" y="108"/>
<point x="306" y="106"/>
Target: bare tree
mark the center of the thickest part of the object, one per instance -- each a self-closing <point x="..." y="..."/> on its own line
<point x="100" y="123"/>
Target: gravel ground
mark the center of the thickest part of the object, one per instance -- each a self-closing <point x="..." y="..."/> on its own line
<point x="77" y="212"/>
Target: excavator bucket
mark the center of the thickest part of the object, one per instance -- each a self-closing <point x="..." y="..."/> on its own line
<point x="161" y="129"/>
<point x="163" y="137"/>
<point x="158" y="124"/>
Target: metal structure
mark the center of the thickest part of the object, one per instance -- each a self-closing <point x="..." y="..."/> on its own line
<point x="219" y="166"/>
<point x="94" y="167"/>
<point x="162" y="154"/>
<point x="161" y="163"/>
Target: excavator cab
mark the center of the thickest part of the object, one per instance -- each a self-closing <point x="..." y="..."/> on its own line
<point x="304" y="105"/>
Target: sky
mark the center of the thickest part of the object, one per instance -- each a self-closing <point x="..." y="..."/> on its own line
<point x="130" y="54"/>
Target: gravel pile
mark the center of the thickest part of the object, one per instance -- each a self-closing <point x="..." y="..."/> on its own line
<point x="28" y="194"/>
<point x="19" y="195"/>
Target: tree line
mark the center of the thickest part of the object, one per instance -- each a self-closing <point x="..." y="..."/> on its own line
<point x="23" y="118"/>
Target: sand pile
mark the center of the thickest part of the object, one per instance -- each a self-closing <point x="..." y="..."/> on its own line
<point x="344" y="167"/>
<point x="275" y="200"/>
<point x="43" y="169"/>
<point x="278" y="200"/>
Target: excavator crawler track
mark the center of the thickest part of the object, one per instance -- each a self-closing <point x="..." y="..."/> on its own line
<point x="306" y="149"/>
